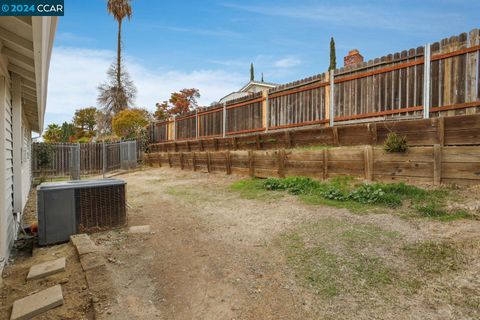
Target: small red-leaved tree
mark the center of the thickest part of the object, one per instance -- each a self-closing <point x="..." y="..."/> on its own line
<point x="179" y="102"/>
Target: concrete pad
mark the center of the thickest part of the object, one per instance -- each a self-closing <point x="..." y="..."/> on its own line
<point x="83" y="244"/>
<point x="46" y="269"/>
<point x="91" y="261"/>
<point x="139" y="229"/>
<point x="37" y="303"/>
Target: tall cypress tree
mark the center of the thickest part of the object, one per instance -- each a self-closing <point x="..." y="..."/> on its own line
<point x="333" y="55"/>
<point x="252" y="72"/>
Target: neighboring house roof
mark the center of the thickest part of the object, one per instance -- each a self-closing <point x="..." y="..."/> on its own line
<point x="250" y="84"/>
<point x="246" y="90"/>
<point x="27" y="43"/>
<point x="233" y="95"/>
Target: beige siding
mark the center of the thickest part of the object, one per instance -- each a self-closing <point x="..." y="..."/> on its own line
<point x="26" y="161"/>
<point x="9" y="170"/>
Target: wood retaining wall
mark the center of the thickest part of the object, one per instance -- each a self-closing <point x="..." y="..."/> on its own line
<point x="431" y="165"/>
<point x="445" y="131"/>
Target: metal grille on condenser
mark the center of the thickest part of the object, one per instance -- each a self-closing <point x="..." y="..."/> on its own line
<point x="100" y="208"/>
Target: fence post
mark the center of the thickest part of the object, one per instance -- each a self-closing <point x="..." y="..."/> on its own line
<point x="267" y="111"/>
<point x="75" y="161"/>
<point x="104" y="159"/>
<point x="194" y="161"/>
<point x="257" y="141"/>
<point x="368" y="156"/>
<point x="196" y="123"/>
<point x="332" y="95"/>
<point x="336" y="141"/>
<point x="441" y="130"/>
<point x="437" y="164"/>
<point x="281" y="163"/>
<point x="174" y="128"/>
<point x="208" y="162"/>
<point x="372" y="128"/>
<point x="289" y="138"/>
<point x="426" y="81"/>
<point x="224" y="119"/>
<point x="235" y="143"/>
<point x="181" y="161"/>
<point x="251" y="170"/>
<point x="228" y="162"/>
<point x="325" y="164"/>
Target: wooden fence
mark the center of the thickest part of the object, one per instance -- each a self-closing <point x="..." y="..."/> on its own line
<point x="432" y="165"/>
<point x="446" y="131"/>
<point x="91" y="160"/>
<point x="388" y="87"/>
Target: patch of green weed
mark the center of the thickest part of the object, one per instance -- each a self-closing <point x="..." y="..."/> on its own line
<point x="330" y="258"/>
<point x="294" y="185"/>
<point x="253" y="189"/>
<point x="434" y="257"/>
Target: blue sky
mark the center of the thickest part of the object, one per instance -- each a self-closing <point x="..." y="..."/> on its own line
<point x="170" y="45"/>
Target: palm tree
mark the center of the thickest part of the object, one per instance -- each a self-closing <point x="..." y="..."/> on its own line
<point x="119" y="9"/>
<point x="118" y="92"/>
<point x="53" y="133"/>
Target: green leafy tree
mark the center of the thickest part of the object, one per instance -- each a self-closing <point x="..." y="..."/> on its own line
<point x="333" y="55"/>
<point x="67" y="132"/>
<point x="162" y="113"/>
<point x="252" y="72"/>
<point x="53" y="133"/>
<point x="130" y="123"/>
<point x="85" y="118"/>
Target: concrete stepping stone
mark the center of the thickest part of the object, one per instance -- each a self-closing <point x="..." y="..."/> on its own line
<point x="46" y="269"/>
<point x="91" y="261"/>
<point x="29" y="307"/>
<point x="139" y="229"/>
<point x="83" y="244"/>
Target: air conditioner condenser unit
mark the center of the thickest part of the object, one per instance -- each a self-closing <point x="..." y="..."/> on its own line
<point x="71" y="207"/>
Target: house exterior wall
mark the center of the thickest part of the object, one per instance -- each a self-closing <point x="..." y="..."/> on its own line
<point x="7" y="223"/>
<point x="9" y="188"/>
<point x="26" y="161"/>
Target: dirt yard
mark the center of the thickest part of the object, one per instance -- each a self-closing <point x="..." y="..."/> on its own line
<point x="215" y="253"/>
<point x="77" y="300"/>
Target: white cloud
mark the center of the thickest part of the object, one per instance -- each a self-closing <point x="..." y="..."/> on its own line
<point x="287" y="62"/>
<point x="75" y="74"/>
<point x="71" y="37"/>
